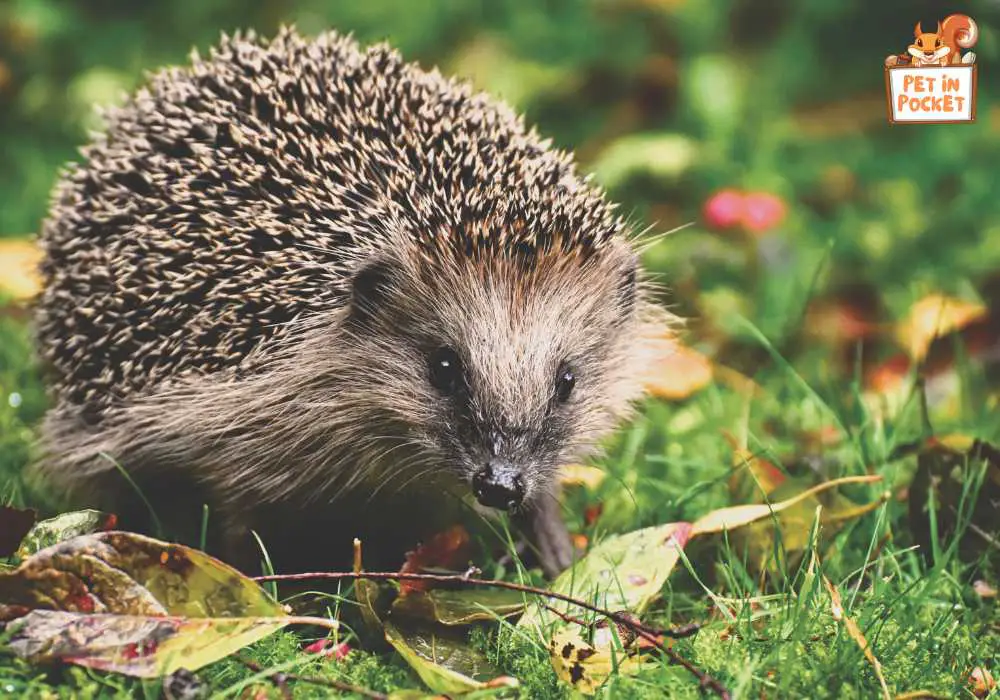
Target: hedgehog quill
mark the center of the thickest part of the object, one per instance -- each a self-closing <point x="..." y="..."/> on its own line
<point x="332" y="295"/>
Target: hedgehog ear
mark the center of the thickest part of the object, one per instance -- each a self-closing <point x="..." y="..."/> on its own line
<point x="369" y="289"/>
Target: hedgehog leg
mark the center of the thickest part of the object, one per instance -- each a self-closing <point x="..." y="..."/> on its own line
<point x="547" y="532"/>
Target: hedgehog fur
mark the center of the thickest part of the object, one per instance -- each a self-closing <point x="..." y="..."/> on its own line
<point x="258" y="239"/>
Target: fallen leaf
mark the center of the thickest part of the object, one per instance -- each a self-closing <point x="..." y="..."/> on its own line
<point x="983" y="589"/>
<point x="15" y="523"/>
<point x="681" y="373"/>
<point x="459" y="607"/>
<point x="124" y="573"/>
<point x="184" y="685"/>
<point x="855" y="633"/>
<point x="846" y="316"/>
<point x="736" y="516"/>
<point x="581" y="475"/>
<point x="137" y="645"/>
<point x="622" y="572"/>
<point x="63" y="527"/>
<point x="933" y="316"/>
<point x="446" y="550"/>
<point x="626" y="572"/>
<point x="439" y="654"/>
<point x="981" y="682"/>
<point x="585" y="666"/>
<point x="753" y="477"/>
<point x="888" y="376"/>
<point x="132" y="604"/>
<point x="445" y="663"/>
<point x="756" y="479"/>
<point x="19" y="260"/>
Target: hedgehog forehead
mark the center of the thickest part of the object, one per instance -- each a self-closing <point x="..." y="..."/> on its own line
<point x="515" y="324"/>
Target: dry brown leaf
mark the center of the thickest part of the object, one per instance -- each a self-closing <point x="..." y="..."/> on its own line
<point x="933" y="316"/>
<point x="19" y="261"/>
<point x="855" y="633"/>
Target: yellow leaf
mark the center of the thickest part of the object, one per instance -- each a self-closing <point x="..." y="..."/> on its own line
<point x="19" y="261"/>
<point x="681" y="373"/>
<point x="934" y="316"/>
<point x="735" y="516"/>
<point x="855" y="633"/>
<point x="584" y="666"/>
<point x="581" y="475"/>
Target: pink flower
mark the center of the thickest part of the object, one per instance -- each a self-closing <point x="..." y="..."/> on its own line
<point x="724" y="209"/>
<point x="327" y="648"/>
<point x="762" y="211"/>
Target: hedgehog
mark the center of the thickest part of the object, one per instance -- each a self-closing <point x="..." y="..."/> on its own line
<point x="318" y="292"/>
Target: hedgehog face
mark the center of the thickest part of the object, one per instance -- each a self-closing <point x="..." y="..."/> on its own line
<point x="501" y="371"/>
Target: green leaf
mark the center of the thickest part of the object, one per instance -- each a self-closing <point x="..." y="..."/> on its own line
<point x="623" y="572"/>
<point x="445" y="662"/>
<point x="459" y="607"/>
<point x="63" y="527"/>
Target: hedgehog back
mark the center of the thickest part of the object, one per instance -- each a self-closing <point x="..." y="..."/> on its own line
<point x="227" y="203"/>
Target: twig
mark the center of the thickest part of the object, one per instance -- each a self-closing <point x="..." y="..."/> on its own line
<point x="280" y="681"/>
<point x="649" y="634"/>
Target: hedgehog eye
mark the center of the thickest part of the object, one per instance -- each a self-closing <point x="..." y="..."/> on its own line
<point x="446" y="371"/>
<point x="565" y="381"/>
<point x="937" y="43"/>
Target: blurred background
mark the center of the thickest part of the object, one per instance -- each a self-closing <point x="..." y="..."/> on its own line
<point x="763" y="122"/>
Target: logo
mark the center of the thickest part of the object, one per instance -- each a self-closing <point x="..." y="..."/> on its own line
<point x="933" y="81"/>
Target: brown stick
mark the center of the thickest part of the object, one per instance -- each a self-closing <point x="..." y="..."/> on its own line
<point x="648" y="633"/>
<point x="281" y="679"/>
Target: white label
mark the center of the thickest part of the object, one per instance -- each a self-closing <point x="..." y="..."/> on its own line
<point x="932" y="94"/>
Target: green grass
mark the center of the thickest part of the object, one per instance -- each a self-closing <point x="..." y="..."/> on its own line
<point x="773" y="635"/>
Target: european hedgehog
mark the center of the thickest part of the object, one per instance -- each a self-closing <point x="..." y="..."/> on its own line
<point x="330" y="294"/>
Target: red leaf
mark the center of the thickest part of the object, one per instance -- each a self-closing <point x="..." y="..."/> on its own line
<point x="445" y="550"/>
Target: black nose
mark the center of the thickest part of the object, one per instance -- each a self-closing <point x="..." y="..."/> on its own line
<point x="498" y="485"/>
<point x="928" y="53"/>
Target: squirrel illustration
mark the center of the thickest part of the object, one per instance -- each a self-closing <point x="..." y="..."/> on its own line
<point x="940" y="47"/>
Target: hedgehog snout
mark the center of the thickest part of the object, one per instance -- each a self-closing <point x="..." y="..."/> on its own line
<point x="499" y="484"/>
